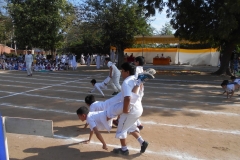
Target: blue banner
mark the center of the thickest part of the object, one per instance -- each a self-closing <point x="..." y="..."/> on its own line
<point x="3" y="155"/>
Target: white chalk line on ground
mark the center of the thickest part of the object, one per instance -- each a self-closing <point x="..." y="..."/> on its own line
<point x="192" y="110"/>
<point x="76" y="74"/>
<point x="235" y="132"/>
<point x="185" y="81"/>
<point x="195" y="102"/>
<point x="158" y="99"/>
<point x="23" y="82"/>
<point x="101" y="75"/>
<point x="81" y="82"/>
<point x="36" y="89"/>
<point x="160" y="93"/>
<point x="73" y="86"/>
<point x="44" y="77"/>
<point x="18" y="86"/>
<point x="145" y="106"/>
<point x="179" y="88"/>
<point x="174" y="154"/>
<point x="49" y="97"/>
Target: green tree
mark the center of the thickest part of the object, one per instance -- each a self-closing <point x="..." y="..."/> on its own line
<point x="205" y="21"/>
<point x="5" y="29"/>
<point x="166" y="29"/>
<point x="118" y="21"/>
<point x="84" y="38"/>
<point x="40" y="23"/>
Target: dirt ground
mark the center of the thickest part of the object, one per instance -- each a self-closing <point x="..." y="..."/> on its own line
<point x="185" y="117"/>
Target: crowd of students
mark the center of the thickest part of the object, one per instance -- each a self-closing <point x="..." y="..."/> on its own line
<point x="12" y="62"/>
<point x="40" y="62"/>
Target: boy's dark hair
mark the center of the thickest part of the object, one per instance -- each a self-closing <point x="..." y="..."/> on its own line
<point x="233" y="77"/>
<point x="93" y="81"/>
<point x="107" y="59"/>
<point x="89" y="99"/>
<point x="129" y="67"/>
<point x="82" y="110"/>
<point x="225" y="82"/>
<point x="140" y="60"/>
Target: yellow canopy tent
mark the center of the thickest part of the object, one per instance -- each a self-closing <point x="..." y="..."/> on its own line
<point x="159" y="39"/>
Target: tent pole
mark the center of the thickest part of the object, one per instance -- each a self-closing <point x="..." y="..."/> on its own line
<point x="178" y="46"/>
<point x="142" y="44"/>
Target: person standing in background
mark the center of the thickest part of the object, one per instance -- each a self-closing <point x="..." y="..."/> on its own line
<point x="98" y="61"/>
<point x="29" y="61"/>
<point x="112" y="55"/>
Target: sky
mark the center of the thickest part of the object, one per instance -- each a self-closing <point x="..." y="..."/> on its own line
<point x="158" y="21"/>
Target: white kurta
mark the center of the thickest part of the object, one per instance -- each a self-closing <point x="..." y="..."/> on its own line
<point x="29" y="61"/>
<point x="98" y="61"/>
<point x="74" y="62"/>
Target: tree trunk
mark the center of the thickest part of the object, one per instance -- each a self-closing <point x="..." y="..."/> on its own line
<point x="225" y="60"/>
<point x="120" y="56"/>
<point x="53" y="53"/>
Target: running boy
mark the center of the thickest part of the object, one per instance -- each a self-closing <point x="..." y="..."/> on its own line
<point x="139" y="88"/>
<point x="130" y="112"/>
<point x="99" y="86"/>
<point x="97" y="121"/>
<point x="114" y="74"/>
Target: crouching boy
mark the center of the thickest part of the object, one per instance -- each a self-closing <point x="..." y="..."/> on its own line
<point x="97" y="121"/>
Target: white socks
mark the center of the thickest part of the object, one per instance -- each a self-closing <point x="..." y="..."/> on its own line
<point x="124" y="148"/>
<point x="140" y="140"/>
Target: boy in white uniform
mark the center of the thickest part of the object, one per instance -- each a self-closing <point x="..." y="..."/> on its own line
<point x="139" y="62"/>
<point x="99" y="86"/>
<point x="97" y="121"/>
<point x="131" y="112"/>
<point x="95" y="106"/>
<point x="228" y="87"/>
<point x="114" y="74"/>
<point x="29" y="61"/>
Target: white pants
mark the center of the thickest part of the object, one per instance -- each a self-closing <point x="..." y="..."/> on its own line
<point x="98" y="86"/>
<point x="138" y="122"/>
<point x="114" y="110"/>
<point x="29" y="68"/>
<point x="127" y="122"/>
<point x="115" y="83"/>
